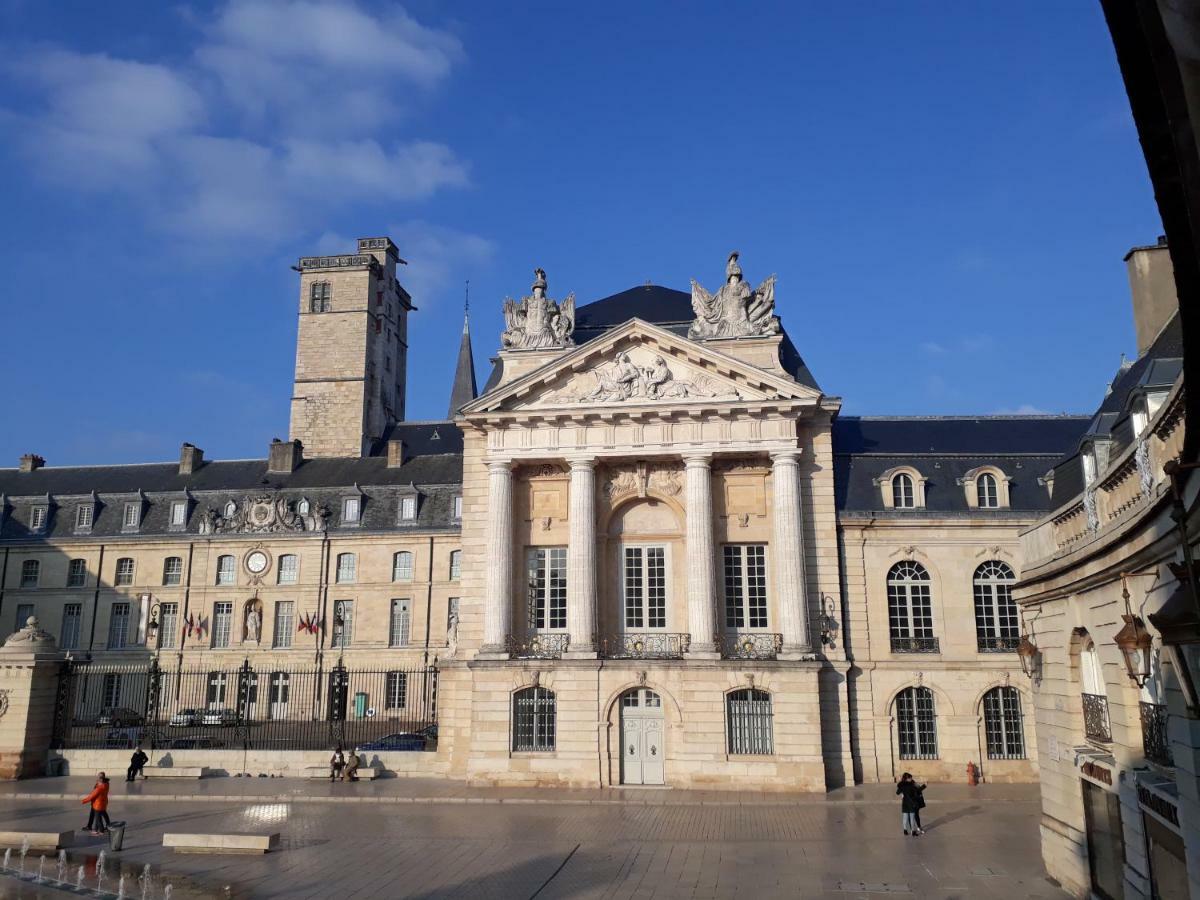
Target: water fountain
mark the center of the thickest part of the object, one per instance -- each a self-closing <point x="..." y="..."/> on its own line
<point x="61" y="868"/>
<point x="24" y="850"/>
<point x="121" y="888"/>
<point x="168" y="890"/>
<point x="41" y="870"/>
<point x="8" y="857"/>
<point x="79" y="879"/>
<point x="147" y="882"/>
<point x="100" y="871"/>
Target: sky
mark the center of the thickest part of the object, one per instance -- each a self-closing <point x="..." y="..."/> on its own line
<point x="944" y="190"/>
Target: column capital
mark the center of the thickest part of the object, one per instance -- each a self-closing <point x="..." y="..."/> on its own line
<point x="699" y="459"/>
<point x="499" y="465"/>
<point x="787" y="457"/>
<point x="581" y="462"/>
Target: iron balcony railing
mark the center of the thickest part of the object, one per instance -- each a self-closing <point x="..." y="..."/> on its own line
<point x="1156" y="746"/>
<point x="647" y="645"/>
<point x="915" y="645"/>
<point x="538" y="646"/>
<point x="998" y="644"/>
<point x="758" y="645"/>
<point x="1095" y="717"/>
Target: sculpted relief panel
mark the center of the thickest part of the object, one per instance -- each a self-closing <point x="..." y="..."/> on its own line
<point x="640" y="376"/>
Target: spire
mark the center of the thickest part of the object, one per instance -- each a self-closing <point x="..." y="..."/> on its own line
<point x="464" y="390"/>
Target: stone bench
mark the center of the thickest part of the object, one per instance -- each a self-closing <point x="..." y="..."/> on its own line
<point x="174" y="771"/>
<point x="38" y="840"/>
<point x="363" y="774"/>
<point x="221" y="843"/>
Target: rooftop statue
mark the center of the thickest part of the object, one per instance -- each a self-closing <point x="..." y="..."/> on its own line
<point x="735" y="310"/>
<point x="537" y="322"/>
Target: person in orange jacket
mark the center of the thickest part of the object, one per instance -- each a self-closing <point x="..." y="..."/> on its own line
<point x="98" y="798"/>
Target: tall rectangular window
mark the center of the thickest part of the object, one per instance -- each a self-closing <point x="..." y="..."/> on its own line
<point x="24" y="611"/>
<point x="745" y="586"/>
<point x="351" y="507"/>
<point x="68" y="638"/>
<point x="133" y="515"/>
<point x="347" y="566"/>
<point x="124" y="570"/>
<point x="547" y="580"/>
<point x="226" y="569"/>
<point x="343" y="623"/>
<point x="408" y="508"/>
<point x="222" y="624"/>
<point x="37" y="518"/>
<point x="320" y="297"/>
<point x="644" y="583"/>
<point x="77" y="573"/>
<point x="178" y="513"/>
<point x="31" y="570"/>
<point x="401" y="625"/>
<point x="289" y="568"/>
<point x="534" y="720"/>
<point x="402" y="566"/>
<point x="168" y="625"/>
<point x="397" y="690"/>
<point x="172" y="570"/>
<point x="285" y="612"/>
<point x="111" y="689"/>
<point x="83" y="516"/>
<point x="118" y="626"/>
<point x="455" y="565"/>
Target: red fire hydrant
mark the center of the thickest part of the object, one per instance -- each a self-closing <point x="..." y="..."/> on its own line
<point x="972" y="774"/>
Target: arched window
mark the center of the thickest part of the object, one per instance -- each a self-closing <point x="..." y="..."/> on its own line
<point x="535" y="714"/>
<point x="172" y="570"/>
<point x="910" y="609"/>
<point x="1090" y="670"/>
<point x="347" y="566"/>
<point x="997" y="627"/>
<point x="289" y="568"/>
<point x="1002" y="723"/>
<point x="902" y="492"/>
<point x="986" y="493"/>
<point x="402" y="566"/>
<point x="1096" y="724"/>
<point x="748" y="722"/>
<point x="226" y="573"/>
<point x="916" y="723"/>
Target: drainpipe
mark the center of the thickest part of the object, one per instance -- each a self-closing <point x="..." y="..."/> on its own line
<point x="429" y="601"/>
<point x="322" y="596"/>
<point x="96" y="602"/>
<point x="187" y="601"/>
<point x="3" y="579"/>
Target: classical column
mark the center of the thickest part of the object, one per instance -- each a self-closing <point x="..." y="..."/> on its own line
<point x="581" y="560"/>
<point x="788" y="550"/>
<point x="497" y="590"/>
<point x="701" y="559"/>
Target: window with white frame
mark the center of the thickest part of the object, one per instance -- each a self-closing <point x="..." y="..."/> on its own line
<point x="1002" y="723"/>
<point x="458" y="506"/>
<point x="910" y="608"/>
<point x="748" y="722"/>
<point x="402" y="566"/>
<point x="37" y="518"/>
<point x="400" y="631"/>
<point x="745" y="586"/>
<point x="408" y="509"/>
<point x="124" y="570"/>
<point x="351" y="507"/>
<point x="68" y="636"/>
<point x="31" y="571"/>
<point x="397" y="690"/>
<point x="178" y="513"/>
<point x="535" y="719"/>
<point x="546" y="575"/>
<point x="903" y="496"/>
<point x="916" y="723"/>
<point x="222" y="624"/>
<point x="320" y="297"/>
<point x="644" y="586"/>
<point x="303" y="507"/>
<point x="168" y="625"/>
<point x="285" y="613"/>
<point x="997" y="625"/>
<point x="84" y="514"/>
<point x="455" y="564"/>
<point x="172" y="570"/>
<point x="77" y="573"/>
<point x="133" y="515"/>
<point x="111" y="690"/>
<point x="118" y="626"/>
<point x="1089" y="466"/>
<point x="218" y="683"/>
<point x="987" y="494"/>
<point x="24" y="611"/>
<point x="289" y="568"/>
<point x="343" y="623"/>
<point x="347" y="566"/>
<point x="1091" y="671"/>
<point x="226" y="569"/>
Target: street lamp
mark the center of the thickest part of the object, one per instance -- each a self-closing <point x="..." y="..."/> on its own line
<point x="1134" y="642"/>
<point x="1027" y="652"/>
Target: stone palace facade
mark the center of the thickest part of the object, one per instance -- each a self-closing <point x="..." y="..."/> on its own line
<point x="649" y="551"/>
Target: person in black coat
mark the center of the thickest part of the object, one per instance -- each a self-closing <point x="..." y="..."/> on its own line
<point x="911" y="801"/>
<point x="136" y="762"/>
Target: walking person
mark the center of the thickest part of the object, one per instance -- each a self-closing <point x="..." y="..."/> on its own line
<point x="136" y="763"/>
<point x="98" y="798"/>
<point x="911" y="801"/>
<point x="337" y="762"/>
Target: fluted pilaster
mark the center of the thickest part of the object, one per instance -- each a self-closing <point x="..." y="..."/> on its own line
<point x="701" y="555"/>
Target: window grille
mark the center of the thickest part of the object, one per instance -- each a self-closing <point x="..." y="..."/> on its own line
<point x="124" y="570"/>
<point x="173" y="570"/>
<point x="397" y="690"/>
<point x="289" y="568"/>
<point x="547" y="571"/>
<point x="118" y="626"/>
<point x="77" y="573"/>
<point x="31" y="570"/>
<point x="534" y="720"/>
<point x="748" y="722"/>
<point x="902" y="492"/>
<point x="71" y="624"/>
<point x="1002" y="723"/>
<point x="745" y="586"/>
<point x="168" y="624"/>
<point x="222" y="623"/>
<point x="402" y="566"/>
<point x="284" y="624"/>
<point x="645" y="583"/>
<point x="916" y="723"/>
<point x="997" y="624"/>
<point x="226" y="570"/>
<point x="401" y="625"/>
<point x="910" y="608"/>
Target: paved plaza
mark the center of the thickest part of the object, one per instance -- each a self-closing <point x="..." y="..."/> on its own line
<point x="409" y="838"/>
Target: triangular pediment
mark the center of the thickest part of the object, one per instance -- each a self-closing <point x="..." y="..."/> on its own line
<point x="640" y="365"/>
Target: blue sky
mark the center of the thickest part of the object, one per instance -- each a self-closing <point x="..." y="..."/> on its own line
<point x="944" y="190"/>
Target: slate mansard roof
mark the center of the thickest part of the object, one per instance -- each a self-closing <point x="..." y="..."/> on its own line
<point x="943" y="450"/>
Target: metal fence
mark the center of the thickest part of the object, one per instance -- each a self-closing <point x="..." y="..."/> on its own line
<point x="121" y="706"/>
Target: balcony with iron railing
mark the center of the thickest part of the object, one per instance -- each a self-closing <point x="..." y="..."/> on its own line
<point x="753" y="645"/>
<point x="1095" y="718"/>
<point x="646" y="645"/>
<point x="1156" y="744"/>
<point x="550" y="645"/>
<point x="998" y="644"/>
<point x="909" y="644"/>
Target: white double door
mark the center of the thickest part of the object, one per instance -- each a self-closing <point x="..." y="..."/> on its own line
<point x="642" y="738"/>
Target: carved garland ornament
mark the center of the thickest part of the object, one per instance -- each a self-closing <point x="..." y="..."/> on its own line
<point x="639" y="478"/>
<point x="264" y="514"/>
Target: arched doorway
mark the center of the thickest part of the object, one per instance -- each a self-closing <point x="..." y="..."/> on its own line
<point x="642" y="737"/>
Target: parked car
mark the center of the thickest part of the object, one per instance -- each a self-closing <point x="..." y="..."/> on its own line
<point x="119" y="717"/>
<point x="184" y="718"/>
<point x="194" y="743"/>
<point x="403" y="740"/>
<point x="220" y="716"/>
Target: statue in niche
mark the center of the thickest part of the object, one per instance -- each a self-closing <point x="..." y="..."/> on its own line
<point x="452" y="633"/>
<point x="735" y="310"/>
<point x="538" y="322"/>
<point x="252" y="629"/>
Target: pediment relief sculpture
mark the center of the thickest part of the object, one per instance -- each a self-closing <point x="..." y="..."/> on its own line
<point x="538" y="322"/>
<point x="735" y="310"/>
<point x="264" y="514"/>
<point x="642" y="376"/>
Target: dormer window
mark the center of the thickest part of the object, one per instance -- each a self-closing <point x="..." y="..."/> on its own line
<point x="902" y="492"/>
<point x="320" y="297"/>
<point x="1139" y="418"/>
<point x="84" y="514"/>
<point x="37" y="517"/>
<point x="408" y="509"/>
<point x="351" y="510"/>
<point x="178" y="513"/>
<point x="901" y="487"/>
<point x="133" y="516"/>
<point x="302" y="507"/>
<point x="986" y="494"/>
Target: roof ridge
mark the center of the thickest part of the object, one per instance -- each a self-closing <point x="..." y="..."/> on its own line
<point x="968" y="417"/>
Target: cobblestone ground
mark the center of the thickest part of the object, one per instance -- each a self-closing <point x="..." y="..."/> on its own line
<point x="674" y="845"/>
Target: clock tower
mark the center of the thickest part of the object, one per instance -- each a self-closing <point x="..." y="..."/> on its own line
<point x="351" y="350"/>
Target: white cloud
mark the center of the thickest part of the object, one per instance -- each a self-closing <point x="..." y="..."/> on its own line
<point x="933" y="348"/>
<point x="440" y="259"/>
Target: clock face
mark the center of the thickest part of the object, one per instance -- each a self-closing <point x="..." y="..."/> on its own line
<point x="256" y="562"/>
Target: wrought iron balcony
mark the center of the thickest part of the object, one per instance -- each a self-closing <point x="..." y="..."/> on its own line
<point x="757" y="645"/>
<point x="646" y="645"/>
<point x="1095" y="717"/>
<point x="915" y="645"/>
<point x="1156" y="746"/>
<point x="998" y="644"/>
<point x="538" y="646"/>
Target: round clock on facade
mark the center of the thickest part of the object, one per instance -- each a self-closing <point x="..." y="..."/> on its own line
<point x="256" y="562"/>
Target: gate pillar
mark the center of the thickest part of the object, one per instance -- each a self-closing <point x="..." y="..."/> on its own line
<point x="29" y="669"/>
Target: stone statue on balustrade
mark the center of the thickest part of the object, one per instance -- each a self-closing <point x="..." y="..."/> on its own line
<point x="538" y="322"/>
<point x="735" y="310"/>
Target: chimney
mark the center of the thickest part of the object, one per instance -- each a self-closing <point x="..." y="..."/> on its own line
<point x="1152" y="283"/>
<point x="191" y="458"/>
<point x="31" y="462"/>
<point x="395" y="454"/>
<point x="285" y="456"/>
